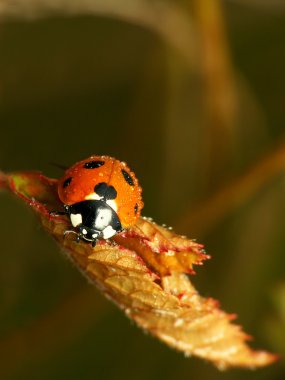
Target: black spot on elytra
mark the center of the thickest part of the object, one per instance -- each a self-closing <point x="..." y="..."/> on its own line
<point x="93" y="164"/>
<point x="136" y="208"/>
<point x="128" y="178"/>
<point x="67" y="182"/>
<point x="105" y="191"/>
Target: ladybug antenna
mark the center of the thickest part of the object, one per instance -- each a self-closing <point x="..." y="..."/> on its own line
<point x="59" y="166"/>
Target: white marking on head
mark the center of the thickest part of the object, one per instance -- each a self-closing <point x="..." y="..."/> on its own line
<point x="94" y="235"/>
<point x="103" y="219"/>
<point x="84" y="231"/>
<point x="93" y="197"/>
<point x="75" y="219"/>
<point x="109" y="232"/>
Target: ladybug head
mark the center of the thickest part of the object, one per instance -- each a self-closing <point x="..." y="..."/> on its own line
<point x="94" y="219"/>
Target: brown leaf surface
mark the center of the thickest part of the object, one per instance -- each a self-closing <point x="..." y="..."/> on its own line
<point x="163" y="250"/>
<point x="142" y="270"/>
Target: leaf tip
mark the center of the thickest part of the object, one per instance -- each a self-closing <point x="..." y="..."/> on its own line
<point x="264" y="358"/>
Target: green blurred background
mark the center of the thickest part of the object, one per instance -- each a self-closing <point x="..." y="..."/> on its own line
<point x="191" y="95"/>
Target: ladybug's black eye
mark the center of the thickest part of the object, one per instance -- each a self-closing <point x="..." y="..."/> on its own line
<point x="67" y="182"/>
<point x="128" y="178"/>
<point x="93" y="164"/>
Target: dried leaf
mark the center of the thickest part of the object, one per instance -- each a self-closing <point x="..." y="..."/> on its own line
<point x="162" y="249"/>
<point x="142" y="270"/>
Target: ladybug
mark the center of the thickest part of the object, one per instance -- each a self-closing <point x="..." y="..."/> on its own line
<point x="101" y="196"/>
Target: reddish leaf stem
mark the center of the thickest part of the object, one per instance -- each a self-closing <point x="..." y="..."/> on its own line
<point x="208" y="212"/>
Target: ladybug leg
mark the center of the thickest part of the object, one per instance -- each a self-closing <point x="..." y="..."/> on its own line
<point x="111" y="242"/>
<point x="78" y="236"/>
<point x="58" y="213"/>
<point x="94" y="243"/>
<point x="69" y="232"/>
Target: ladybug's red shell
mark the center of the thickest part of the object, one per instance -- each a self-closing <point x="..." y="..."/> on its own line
<point x="80" y="180"/>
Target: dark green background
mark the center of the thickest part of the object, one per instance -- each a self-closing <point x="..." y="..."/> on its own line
<point x="72" y="87"/>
